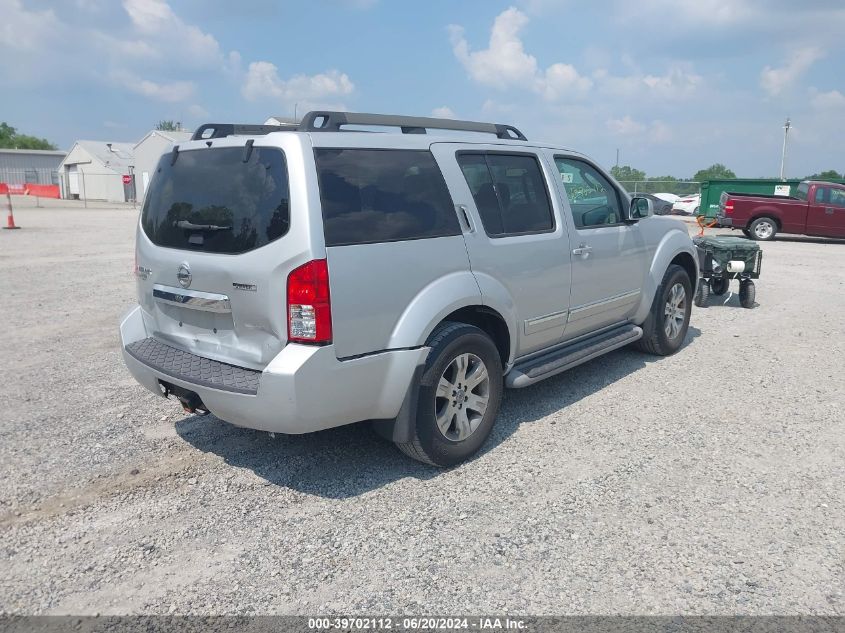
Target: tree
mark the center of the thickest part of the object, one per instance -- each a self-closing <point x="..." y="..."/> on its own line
<point x="715" y="172"/>
<point x="169" y="126"/>
<point x="830" y="174"/>
<point x="626" y="173"/>
<point x="10" y="139"/>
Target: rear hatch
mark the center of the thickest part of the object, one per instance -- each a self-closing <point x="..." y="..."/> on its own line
<point x="217" y="238"/>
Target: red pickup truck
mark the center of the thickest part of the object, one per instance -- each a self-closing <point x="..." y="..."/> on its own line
<point x="817" y="209"/>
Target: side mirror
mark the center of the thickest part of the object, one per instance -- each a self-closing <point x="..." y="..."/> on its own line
<point x="640" y="208"/>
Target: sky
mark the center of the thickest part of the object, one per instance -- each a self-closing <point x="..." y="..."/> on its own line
<point x="673" y="85"/>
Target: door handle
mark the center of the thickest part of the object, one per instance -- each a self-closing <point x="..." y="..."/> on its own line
<point x="828" y="210"/>
<point x="463" y="218"/>
<point x="583" y="250"/>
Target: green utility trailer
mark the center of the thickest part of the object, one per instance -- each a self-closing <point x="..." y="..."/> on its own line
<point x="711" y="190"/>
<point x="722" y="258"/>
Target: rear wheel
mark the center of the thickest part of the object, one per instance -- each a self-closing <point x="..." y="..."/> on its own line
<point x="719" y="286"/>
<point x="702" y="293"/>
<point x="666" y="326"/>
<point x="747" y="294"/>
<point x="459" y="396"/>
<point x="763" y="229"/>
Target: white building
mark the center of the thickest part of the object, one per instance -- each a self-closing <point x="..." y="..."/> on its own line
<point x="95" y="170"/>
<point x="149" y="150"/>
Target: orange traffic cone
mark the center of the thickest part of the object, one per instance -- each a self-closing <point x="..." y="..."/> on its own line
<point x="10" y="219"/>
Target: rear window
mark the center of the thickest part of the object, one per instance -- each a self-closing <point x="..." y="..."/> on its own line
<point x="372" y="195"/>
<point x="211" y="200"/>
<point x="803" y="188"/>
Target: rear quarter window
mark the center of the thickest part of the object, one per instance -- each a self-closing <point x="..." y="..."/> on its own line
<point x="213" y="201"/>
<point x="374" y="195"/>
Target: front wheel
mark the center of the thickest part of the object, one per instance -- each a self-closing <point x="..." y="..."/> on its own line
<point x="459" y="396"/>
<point x="666" y="326"/>
<point x="763" y="229"/>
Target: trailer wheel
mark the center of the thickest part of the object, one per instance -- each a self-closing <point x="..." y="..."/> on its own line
<point x="719" y="286"/>
<point x="702" y="293"/>
<point x="747" y="294"/>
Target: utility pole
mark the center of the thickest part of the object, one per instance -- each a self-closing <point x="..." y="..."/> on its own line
<point x="786" y="127"/>
<point x="617" y="157"/>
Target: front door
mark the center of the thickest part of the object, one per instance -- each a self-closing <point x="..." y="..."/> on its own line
<point x="518" y="246"/>
<point x="826" y="212"/>
<point x="609" y="256"/>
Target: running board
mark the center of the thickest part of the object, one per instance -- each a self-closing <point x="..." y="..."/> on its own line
<point x="537" y="369"/>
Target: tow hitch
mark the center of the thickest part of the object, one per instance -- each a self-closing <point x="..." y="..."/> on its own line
<point x="190" y="401"/>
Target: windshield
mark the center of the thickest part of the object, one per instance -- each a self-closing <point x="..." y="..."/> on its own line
<point x="213" y="201"/>
<point x="803" y="188"/>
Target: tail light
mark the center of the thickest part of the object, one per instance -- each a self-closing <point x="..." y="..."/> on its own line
<point x="309" y="306"/>
<point x="729" y="207"/>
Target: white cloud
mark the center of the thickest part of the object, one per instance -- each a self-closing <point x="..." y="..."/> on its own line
<point x="625" y="126"/>
<point x="196" y="111"/>
<point x="829" y="100"/>
<point x="505" y="63"/>
<point x="775" y="80"/>
<point x="262" y="81"/>
<point x="712" y="12"/>
<point x="157" y="22"/>
<point x="444" y="112"/>
<point x="655" y="132"/>
<point x="25" y="30"/>
<point x="679" y="82"/>
<point x="168" y="91"/>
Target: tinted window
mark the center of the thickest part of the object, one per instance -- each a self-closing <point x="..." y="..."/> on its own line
<point x="592" y="199"/>
<point x="213" y="201"/>
<point x="382" y="196"/>
<point x="803" y="188"/>
<point x="837" y="197"/>
<point x="509" y="192"/>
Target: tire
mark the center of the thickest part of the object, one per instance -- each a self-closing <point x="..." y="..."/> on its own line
<point x="460" y="431"/>
<point x="763" y="229"/>
<point x="747" y="294"/>
<point x="719" y="286"/>
<point x="702" y="293"/>
<point x="665" y="328"/>
<point x="746" y="233"/>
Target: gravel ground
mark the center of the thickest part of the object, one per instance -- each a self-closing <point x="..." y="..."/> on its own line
<point x="709" y="482"/>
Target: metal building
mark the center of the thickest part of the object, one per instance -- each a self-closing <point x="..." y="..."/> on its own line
<point x="148" y="151"/>
<point x="30" y="166"/>
<point x="97" y="170"/>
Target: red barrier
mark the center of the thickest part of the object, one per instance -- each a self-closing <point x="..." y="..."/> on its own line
<point x="42" y="191"/>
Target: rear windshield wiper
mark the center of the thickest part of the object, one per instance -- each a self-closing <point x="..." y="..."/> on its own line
<point x="190" y="226"/>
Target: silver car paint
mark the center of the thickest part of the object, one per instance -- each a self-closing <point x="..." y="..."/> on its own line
<point x="532" y="270"/>
<point x="387" y="298"/>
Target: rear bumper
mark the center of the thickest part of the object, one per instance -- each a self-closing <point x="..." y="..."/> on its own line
<point x="723" y="221"/>
<point x="303" y="389"/>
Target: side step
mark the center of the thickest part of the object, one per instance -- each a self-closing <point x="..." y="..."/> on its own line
<point x="537" y="369"/>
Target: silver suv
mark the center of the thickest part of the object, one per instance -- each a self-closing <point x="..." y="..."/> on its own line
<point x="297" y="278"/>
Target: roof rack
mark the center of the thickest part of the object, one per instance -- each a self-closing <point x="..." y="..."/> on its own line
<point x="221" y="130"/>
<point x="329" y="121"/>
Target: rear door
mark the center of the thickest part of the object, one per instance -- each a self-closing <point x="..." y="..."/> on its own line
<point x="392" y="238"/>
<point x="516" y="239"/>
<point x="826" y="212"/>
<point x="221" y="228"/>
<point x="610" y="257"/>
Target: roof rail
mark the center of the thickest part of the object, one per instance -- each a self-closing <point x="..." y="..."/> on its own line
<point x="222" y="130"/>
<point x="329" y="121"/>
